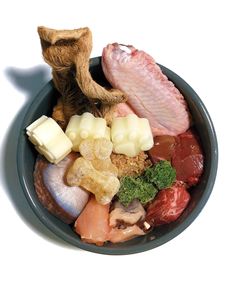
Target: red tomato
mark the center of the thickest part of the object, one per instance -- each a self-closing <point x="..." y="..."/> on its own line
<point x="168" y="204"/>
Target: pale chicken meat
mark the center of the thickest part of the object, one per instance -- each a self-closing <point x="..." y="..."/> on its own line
<point x="123" y="109"/>
<point x="150" y="94"/>
<point x="93" y="223"/>
<point x="117" y="235"/>
<point x="130" y="215"/>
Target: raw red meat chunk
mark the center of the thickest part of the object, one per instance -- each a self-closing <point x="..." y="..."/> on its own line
<point x="188" y="158"/>
<point x="168" y="205"/>
<point x="184" y="152"/>
<point x="163" y="148"/>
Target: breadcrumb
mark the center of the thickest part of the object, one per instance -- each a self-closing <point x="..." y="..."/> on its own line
<point x="131" y="166"/>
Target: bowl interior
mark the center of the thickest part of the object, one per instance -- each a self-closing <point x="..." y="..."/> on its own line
<point x="26" y="157"/>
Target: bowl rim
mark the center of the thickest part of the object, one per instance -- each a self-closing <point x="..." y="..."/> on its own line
<point x="35" y="206"/>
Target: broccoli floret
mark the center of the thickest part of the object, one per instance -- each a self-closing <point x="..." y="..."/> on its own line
<point x="135" y="188"/>
<point x="162" y="174"/>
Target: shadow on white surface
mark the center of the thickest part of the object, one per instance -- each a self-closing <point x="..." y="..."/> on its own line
<point x="28" y="82"/>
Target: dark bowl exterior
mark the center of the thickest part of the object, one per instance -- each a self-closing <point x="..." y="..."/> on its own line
<point x="26" y="156"/>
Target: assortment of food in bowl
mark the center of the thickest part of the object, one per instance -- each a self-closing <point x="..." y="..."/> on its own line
<point x="114" y="161"/>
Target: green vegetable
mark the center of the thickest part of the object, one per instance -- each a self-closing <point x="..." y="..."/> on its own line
<point x="135" y="188"/>
<point x="145" y="187"/>
<point x="161" y="174"/>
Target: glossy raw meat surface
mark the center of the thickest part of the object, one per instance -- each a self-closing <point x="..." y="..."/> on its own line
<point x="168" y="205"/>
<point x="93" y="223"/>
<point x="150" y="93"/>
<point x="188" y="158"/>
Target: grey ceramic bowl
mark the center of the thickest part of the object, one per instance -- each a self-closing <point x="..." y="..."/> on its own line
<point x="26" y="156"/>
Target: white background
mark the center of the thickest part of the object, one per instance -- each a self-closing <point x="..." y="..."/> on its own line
<point x="193" y="38"/>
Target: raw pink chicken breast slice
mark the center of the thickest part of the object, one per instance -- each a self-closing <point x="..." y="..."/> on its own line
<point x="150" y="93"/>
